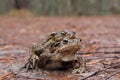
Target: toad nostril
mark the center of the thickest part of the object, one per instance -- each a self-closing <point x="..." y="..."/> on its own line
<point x="80" y="40"/>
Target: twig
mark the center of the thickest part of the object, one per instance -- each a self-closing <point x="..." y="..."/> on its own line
<point x="97" y="72"/>
<point x="93" y="58"/>
<point x="109" y="47"/>
<point x="112" y="75"/>
<point x="113" y="52"/>
<point x="6" y="75"/>
<point x="5" y="52"/>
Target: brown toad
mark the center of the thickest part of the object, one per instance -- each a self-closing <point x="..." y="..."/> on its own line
<point x="57" y="51"/>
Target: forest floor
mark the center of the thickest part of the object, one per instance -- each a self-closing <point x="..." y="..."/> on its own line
<point x="101" y="46"/>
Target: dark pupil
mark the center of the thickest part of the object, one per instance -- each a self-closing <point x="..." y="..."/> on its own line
<point x="65" y="41"/>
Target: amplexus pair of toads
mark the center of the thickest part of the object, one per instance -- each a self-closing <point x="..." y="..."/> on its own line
<point x="57" y="51"/>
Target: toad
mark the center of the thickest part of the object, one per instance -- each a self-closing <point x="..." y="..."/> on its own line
<point x="57" y="51"/>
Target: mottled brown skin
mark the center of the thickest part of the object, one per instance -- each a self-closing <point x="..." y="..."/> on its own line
<point x="57" y="51"/>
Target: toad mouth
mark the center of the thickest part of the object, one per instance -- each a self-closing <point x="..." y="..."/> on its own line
<point x="68" y="54"/>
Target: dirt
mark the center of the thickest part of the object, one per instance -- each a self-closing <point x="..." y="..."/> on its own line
<point x="101" y="46"/>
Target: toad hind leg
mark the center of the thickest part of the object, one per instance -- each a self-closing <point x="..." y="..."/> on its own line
<point x="80" y="65"/>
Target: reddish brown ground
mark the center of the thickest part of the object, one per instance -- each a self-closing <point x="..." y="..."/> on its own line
<point x="101" y="45"/>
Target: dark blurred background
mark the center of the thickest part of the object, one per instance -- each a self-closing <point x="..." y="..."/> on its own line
<point x="60" y="7"/>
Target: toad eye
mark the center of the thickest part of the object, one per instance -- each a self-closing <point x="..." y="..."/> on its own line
<point x="65" y="41"/>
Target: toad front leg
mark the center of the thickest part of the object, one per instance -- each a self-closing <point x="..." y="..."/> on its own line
<point x="36" y="62"/>
<point x="80" y="65"/>
<point x="32" y="62"/>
